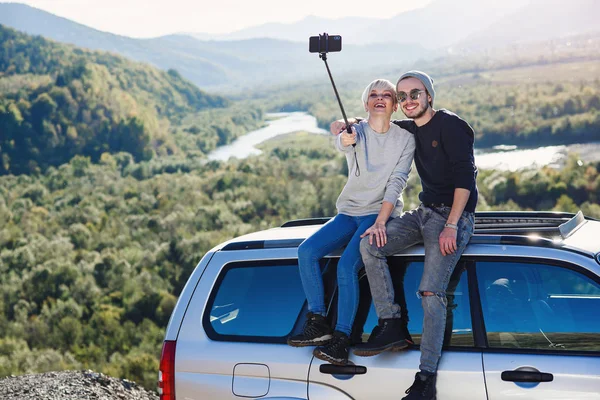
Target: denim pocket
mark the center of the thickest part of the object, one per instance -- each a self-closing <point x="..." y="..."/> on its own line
<point x="468" y="219"/>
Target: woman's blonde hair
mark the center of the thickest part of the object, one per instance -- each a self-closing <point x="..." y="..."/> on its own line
<point x="382" y="84"/>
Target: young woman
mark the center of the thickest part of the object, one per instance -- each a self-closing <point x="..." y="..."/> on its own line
<point x="379" y="156"/>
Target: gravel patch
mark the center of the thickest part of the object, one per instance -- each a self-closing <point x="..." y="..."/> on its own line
<point x="71" y="385"/>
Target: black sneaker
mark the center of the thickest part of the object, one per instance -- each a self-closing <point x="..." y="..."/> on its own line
<point x="423" y="388"/>
<point x="389" y="334"/>
<point x="336" y="351"/>
<point x="316" y="332"/>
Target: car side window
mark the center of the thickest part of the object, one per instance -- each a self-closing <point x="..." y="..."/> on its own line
<point x="406" y="276"/>
<point x="539" y="306"/>
<point x="255" y="301"/>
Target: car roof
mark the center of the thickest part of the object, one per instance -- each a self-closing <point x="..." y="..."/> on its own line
<point x="559" y="230"/>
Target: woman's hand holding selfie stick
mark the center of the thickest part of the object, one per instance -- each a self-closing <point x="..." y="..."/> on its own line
<point x="348" y="139"/>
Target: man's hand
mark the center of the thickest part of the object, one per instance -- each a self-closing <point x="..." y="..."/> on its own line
<point x="448" y="241"/>
<point x="378" y="232"/>
<point x="338" y="126"/>
<point x="348" y="138"/>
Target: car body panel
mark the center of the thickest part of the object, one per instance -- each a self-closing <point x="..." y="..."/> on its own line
<point x="183" y="301"/>
<point x="194" y="386"/>
<point x="198" y="358"/>
<point x="574" y="377"/>
<point x="390" y="374"/>
<point x="318" y="391"/>
<point x="586" y="237"/>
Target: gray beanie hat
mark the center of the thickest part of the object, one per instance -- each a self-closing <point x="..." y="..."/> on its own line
<point x="425" y="80"/>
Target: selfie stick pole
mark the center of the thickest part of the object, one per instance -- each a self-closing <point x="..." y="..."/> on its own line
<point x="323" y="57"/>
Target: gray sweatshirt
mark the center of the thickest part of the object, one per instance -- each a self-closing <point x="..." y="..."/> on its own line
<point x="384" y="160"/>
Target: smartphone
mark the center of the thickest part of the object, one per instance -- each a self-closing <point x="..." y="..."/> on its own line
<point x="325" y="43"/>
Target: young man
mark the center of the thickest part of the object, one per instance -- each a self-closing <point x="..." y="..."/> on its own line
<point x="379" y="156"/>
<point x="444" y="222"/>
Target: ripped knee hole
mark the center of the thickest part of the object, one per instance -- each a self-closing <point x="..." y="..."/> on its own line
<point x="431" y="294"/>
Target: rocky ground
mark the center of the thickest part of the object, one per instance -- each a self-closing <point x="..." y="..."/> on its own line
<point x="71" y="385"/>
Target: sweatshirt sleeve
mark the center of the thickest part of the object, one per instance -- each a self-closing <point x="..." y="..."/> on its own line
<point x="407" y="124"/>
<point x="399" y="177"/>
<point x="457" y="139"/>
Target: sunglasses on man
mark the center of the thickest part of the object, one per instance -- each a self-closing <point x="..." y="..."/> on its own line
<point x="413" y="94"/>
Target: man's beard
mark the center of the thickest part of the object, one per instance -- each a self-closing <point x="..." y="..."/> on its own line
<point x="420" y="114"/>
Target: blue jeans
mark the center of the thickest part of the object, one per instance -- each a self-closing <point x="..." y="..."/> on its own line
<point x="341" y="230"/>
<point x="422" y="225"/>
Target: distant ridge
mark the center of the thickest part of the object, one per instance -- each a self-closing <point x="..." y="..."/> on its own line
<point x="276" y="53"/>
<point x="537" y="21"/>
<point x="301" y="30"/>
<point x="34" y="21"/>
<point x="235" y="64"/>
<point x="439" y="24"/>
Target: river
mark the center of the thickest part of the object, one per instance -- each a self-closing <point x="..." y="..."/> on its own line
<point x="508" y="158"/>
<point x="512" y="158"/>
<point x="280" y="124"/>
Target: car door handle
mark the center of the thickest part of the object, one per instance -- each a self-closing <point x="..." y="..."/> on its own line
<point x="342" y="369"/>
<point x="526" y="376"/>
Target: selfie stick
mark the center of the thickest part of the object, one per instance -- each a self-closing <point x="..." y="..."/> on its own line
<point x="323" y="57"/>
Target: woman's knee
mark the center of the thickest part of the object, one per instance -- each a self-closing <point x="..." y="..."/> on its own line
<point x="307" y="251"/>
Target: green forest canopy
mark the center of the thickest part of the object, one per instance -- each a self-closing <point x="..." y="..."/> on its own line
<point x="93" y="256"/>
<point x="58" y="101"/>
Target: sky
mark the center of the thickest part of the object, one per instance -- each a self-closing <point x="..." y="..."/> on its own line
<point x="150" y="18"/>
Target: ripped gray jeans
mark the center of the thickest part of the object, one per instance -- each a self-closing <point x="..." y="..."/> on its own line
<point x="422" y="225"/>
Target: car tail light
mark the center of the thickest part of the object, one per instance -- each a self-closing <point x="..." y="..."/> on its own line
<point x="166" y="373"/>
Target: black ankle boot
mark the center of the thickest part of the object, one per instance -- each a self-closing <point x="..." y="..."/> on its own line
<point x="423" y="388"/>
<point x="336" y="351"/>
<point x="316" y="332"/>
<point x="389" y="334"/>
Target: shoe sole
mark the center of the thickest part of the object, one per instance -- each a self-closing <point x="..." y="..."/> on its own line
<point x="326" y="357"/>
<point x="394" y="347"/>
<point x="323" y="340"/>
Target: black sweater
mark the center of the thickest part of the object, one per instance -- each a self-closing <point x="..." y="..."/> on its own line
<point x="444" y="158"/>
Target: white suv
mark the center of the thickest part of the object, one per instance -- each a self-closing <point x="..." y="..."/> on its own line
<point x="523" y="319"/>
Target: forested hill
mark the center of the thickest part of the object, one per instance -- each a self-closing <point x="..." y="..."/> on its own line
<point x="58" y="101"/>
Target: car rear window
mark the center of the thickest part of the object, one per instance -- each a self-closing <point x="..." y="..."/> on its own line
<point x="255" y="301"/>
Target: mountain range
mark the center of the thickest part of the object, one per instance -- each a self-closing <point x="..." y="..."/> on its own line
<point x="276" y="53"/>
<point x="443" y="23"/>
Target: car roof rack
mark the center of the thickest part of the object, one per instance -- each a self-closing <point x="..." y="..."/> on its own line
<point x="545" y="224"/>
<point x="539" y="223"/>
